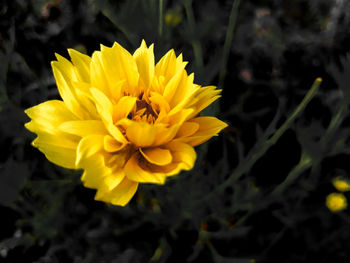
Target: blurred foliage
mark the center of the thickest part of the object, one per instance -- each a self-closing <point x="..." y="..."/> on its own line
<point x="258" y="191"/>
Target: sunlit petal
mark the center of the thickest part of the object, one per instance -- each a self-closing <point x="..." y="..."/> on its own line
<point x="120" y="195"/>
<point x="134" y="172"/>
<point x="157" y="156"/>
<point x="208" y="127"/>
<point x="144" y="58"/>
<point x="88" y="146"/>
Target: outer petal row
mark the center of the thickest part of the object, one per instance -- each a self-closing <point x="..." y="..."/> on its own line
<point x="208" y="127"/>
<point x="68" y="77"/>
<point x="153" y="165"/>
<point x="112" y="186"/>
<point x="144" y="58"/>
<point x="117" y="65"/>
<point x="58" y="147"/>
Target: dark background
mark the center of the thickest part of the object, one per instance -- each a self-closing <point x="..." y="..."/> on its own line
<point x="272" y="209"/>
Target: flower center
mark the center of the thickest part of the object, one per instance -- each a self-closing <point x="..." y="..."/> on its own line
<point x="143" y="112"/>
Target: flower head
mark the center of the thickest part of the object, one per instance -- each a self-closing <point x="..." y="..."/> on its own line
<point x="341" y="184"/>
<point x="173" y="17"/>
<point x="336" y="202"/>
<point x="123" y="119"/>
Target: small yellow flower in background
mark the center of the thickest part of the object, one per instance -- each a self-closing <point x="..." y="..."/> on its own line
<point x="173" y="17"/>
<point x="341" y="184"/>
<point x="123" y="119"/>
<point x="336" y="202"/>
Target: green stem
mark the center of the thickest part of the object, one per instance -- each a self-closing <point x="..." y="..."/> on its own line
<point x="304" y="163"/>
<point x="297" y="111"/>
<point x="197" y="49"/>
<point x="256" y="156"/>
<point x="335" y="122"/>
<point x="251" y="159"/>
<point x="161" y="19"/>
<point x="228" y="41"/>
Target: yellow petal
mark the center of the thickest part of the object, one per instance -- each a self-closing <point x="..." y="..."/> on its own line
<point x="134" y="172"/>
<point x="168" y="66"/>
<point x="120" y="195"/>
<point x="87" y="147"/>
<point x="84" y="97"/>
<point x="124" y="106"/>
<point x="124" y="123"/>
<point x="64" y="74"/>
<point x="103" y="104"/>
<point x="47" y="116"/>
<point x="173" y="85"/>
<point x="113" y="179"/>
<point x="118" y="159"/>
<point x="157" y="156"/>
<point x="119" y="64"/>
<point x="159" y="100"/>
<point x="162" y="117"/>
<point x="182" y="153"/>
<point x="57" y="149"/>
<point x="203" y="98"/>
<point x="81" y="63"/>
<point x="66" y="90"/>
<point x="94" y="171"/>
<point x="165" y="135"/>
<point x="144" y="58"/>
<point x="98" y="176"/>
<point x="184" y="95"/>
<point x="187" y="129"/>
<point x="208" y="127"/>
<point x="184" y="157"/>
<point x="142" y="134"/>
<point x="111" y="145"/>
<point x="158" y="84"/>
<point x="97" y="74"/>
<point x="83" y="128"/>
<point x="105" y="108"/>
<point x="180" y="117"/>
<point x="72" y="92"/>
<point x="66" y="68"/>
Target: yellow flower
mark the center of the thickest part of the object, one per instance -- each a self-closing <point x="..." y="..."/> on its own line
<point x="172" y="18"/>
<point x="123" y="119"/>
<point x="341" y="184"/>
<point x="336" y="202"/>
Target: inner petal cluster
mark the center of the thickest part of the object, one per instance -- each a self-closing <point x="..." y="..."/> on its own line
<point x="144" y="111"/>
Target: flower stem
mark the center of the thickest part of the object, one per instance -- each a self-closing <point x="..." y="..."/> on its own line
<point x="251" y="159"/>
<point x="228" y="41"/>
<point x="160" y="22"/>
<point x="335" y="122"/>
<point x="256" y="156"/>
<point x="197" y="49"/>
<point x="304" y="163"/>
<point x="298" y="110"/>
